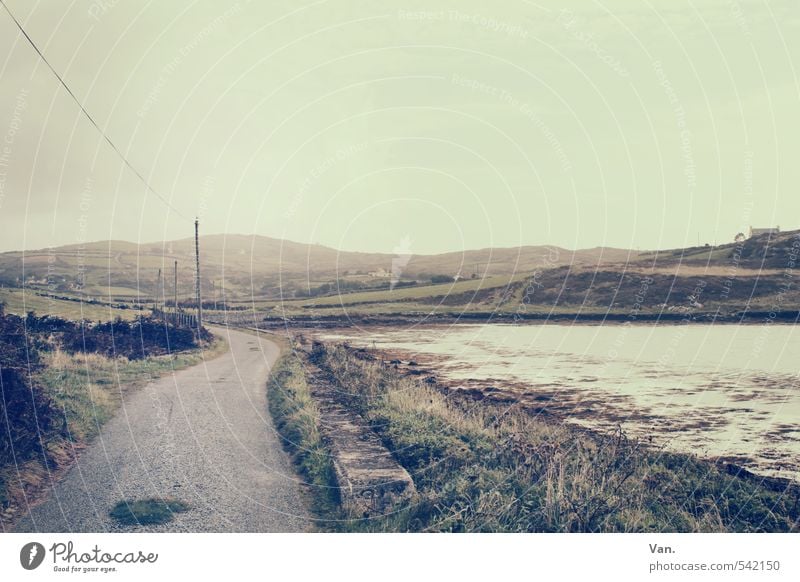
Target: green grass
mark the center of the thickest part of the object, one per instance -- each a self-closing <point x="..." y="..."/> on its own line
<point x="147" y="511"/>
<point x="105" y="291"/>
<point x="20" y="302"/>
<point x="416" y="292"/>
<point x="297" y="421"/>
<point x="479" y="468"/>
<point x="403" y="299"/>
<point x="88" y="390"/>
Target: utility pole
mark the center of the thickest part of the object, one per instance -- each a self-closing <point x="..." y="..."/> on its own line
<point x="197" y="271"/>
<point x="175" y="293"/>
<point x="158" y="288"/>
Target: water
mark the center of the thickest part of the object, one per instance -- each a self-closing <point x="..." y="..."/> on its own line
<point x="716" y="390"/>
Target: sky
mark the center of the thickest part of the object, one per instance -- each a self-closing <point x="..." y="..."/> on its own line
<point x="368" y="125"/>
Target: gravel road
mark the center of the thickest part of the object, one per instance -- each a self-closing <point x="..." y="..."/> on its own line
<point x="202" y="435"/>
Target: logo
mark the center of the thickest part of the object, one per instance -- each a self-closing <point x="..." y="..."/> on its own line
<point x="31" y="555"/>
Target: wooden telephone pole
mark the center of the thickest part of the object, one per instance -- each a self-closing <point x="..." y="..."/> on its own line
<point x="197" y="271"/>
<point x="158" y="288"/>
<point x="175" y="293"/>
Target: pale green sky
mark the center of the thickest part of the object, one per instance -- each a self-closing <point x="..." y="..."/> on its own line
<point x="356" y="124"/>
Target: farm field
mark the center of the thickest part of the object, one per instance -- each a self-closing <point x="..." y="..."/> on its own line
<point x="21" y="301"/>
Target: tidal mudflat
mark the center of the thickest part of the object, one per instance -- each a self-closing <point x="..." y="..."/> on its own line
<point x="727" y="391"/>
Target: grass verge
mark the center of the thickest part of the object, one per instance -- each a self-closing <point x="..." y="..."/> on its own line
<point x="88" y="388"/>
<point x="296" y="419"/>
<point x="85" y="390"/>
<point x="482" y="468"/>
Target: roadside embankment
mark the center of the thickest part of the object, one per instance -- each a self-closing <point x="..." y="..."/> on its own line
<point x="480" y="466"/>
<point x="61" y="382"/>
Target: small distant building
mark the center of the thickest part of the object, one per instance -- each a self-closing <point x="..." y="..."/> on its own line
<point x="760" y="231"/>
<point x="381" y="273"/>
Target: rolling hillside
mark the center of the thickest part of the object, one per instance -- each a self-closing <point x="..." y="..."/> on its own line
<point x="756" y="275"/>
<point x="287" y="278"/>
<point x="257" y="266"/>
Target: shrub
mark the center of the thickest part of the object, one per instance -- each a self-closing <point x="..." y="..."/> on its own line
<point x="438" y="279"/>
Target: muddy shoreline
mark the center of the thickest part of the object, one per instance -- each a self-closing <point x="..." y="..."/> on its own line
<point x="548" y="404"/>
<point x="316" y="321"/>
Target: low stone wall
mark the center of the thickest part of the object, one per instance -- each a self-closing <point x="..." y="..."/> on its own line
<point x="369" y="477"/>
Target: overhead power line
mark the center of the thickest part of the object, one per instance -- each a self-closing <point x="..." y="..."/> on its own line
<point x="91" y="119"/>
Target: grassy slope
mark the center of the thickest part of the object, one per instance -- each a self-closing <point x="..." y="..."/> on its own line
<point x="296" y="419"/>
<point x="257" y="270"/>
<point x="88" y="389"/>
<point x="249" y="262"/>
<point x="479" y="468"/>
<point x="430" y="292"/>
<point x="729" y="278"/>
<point x="19" y="301"/>
<point x="562" y="291"/>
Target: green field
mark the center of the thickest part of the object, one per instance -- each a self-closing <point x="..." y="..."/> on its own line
<point x="416" y="292"/>
<point x="282" y="278"/>
<point x="20" y="302"/>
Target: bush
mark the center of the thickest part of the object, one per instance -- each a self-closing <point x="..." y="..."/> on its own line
<point x="134" y="340"/>
<point x="438" y="279"/>
<point x="25" y="411"/>
<point x="25" y="414"/>
<point x="35" y="419"/>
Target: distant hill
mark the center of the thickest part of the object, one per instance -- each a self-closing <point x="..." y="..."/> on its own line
<point x="769" y="251"/>
<point x="259" y="265"/>
<point x="757" y="274"/>
<point x="287" y="276"/>
<point x="754" y="275"/>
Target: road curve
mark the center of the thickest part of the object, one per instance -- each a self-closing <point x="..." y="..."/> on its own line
<point x="202" y="435"/>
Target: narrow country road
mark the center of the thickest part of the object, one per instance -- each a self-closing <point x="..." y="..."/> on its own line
<point x="202" y="435"/>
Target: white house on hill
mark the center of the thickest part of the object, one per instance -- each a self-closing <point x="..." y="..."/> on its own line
<point x="759" y="231"/>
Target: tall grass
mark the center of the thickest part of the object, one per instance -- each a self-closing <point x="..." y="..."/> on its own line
<point x="297" y="421"/>
<point x="483" y="468"/>
<point x="84" y="390"/>
<point x="87" y="389"/>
